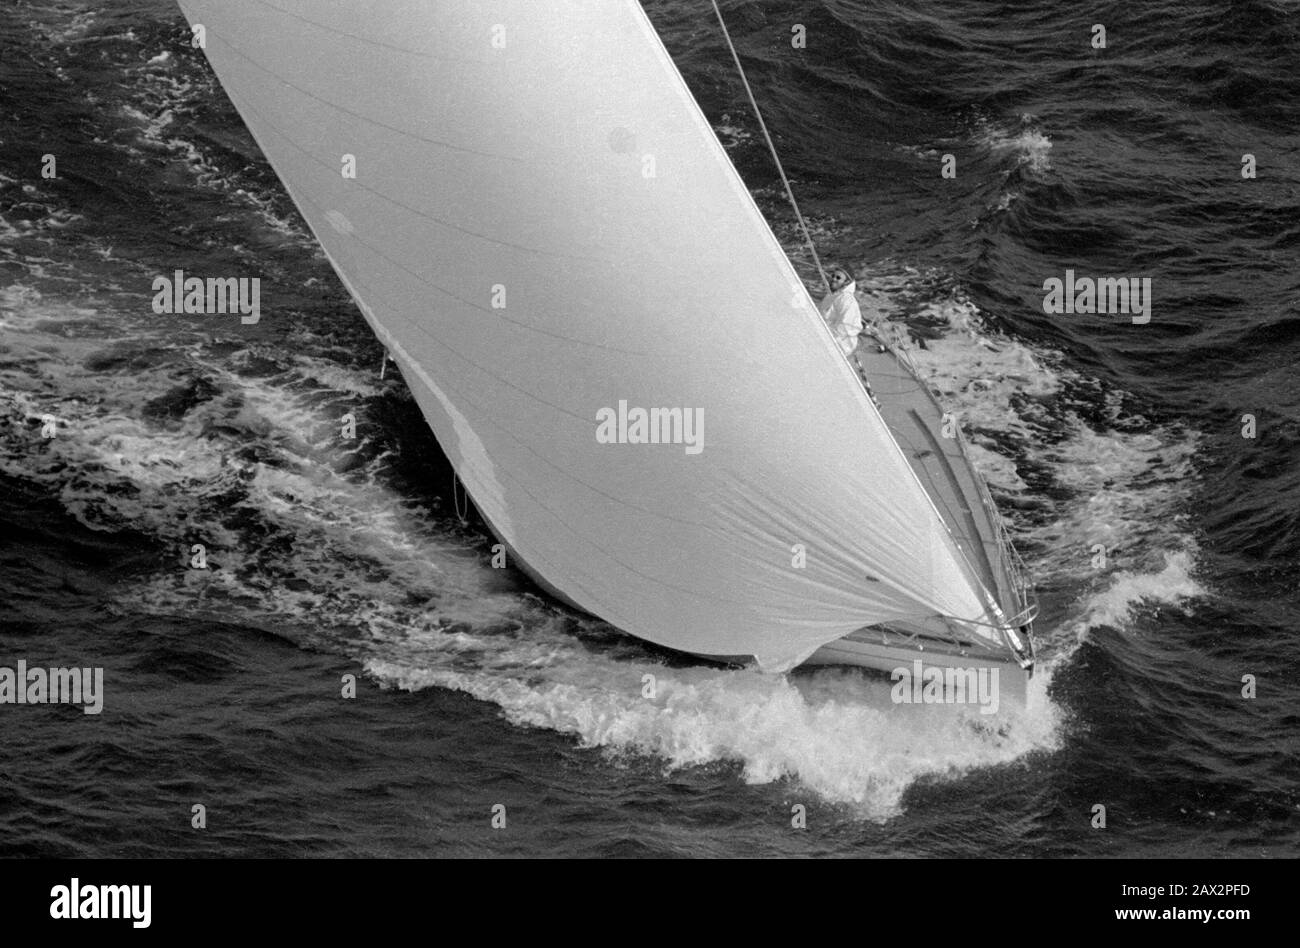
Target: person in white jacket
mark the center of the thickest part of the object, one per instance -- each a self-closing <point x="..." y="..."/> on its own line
<point x="840" y="309"/>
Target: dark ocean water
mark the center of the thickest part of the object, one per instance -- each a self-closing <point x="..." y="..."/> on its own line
<point x="223" y="686"/>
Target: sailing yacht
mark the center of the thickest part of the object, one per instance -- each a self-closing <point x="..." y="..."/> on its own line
<point x="540" y="226"/>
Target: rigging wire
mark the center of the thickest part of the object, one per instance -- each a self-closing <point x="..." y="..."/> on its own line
<point x="789" y="192"/>
<point x="462" y="516"/>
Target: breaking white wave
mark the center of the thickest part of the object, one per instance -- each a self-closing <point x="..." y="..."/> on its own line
<point x="1116" y="603"/>
<point x="832" y="732"/>
<point x="1023" y="151"/>
<point x="1025" y="143"/>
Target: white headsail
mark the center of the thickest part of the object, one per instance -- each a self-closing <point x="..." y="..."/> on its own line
<point x="542" y="226"/>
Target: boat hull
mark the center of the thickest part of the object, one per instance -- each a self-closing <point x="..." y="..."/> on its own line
<point x="916" y="655"/>
<point x="888" y="652"/>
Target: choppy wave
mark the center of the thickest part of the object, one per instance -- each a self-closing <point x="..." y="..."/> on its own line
<point x="1027" y="145"/>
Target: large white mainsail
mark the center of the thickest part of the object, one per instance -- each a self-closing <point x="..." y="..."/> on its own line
<point x="548" y="156"/>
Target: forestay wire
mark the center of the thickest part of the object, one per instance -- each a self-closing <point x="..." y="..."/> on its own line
<point x="789" y="192"/>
